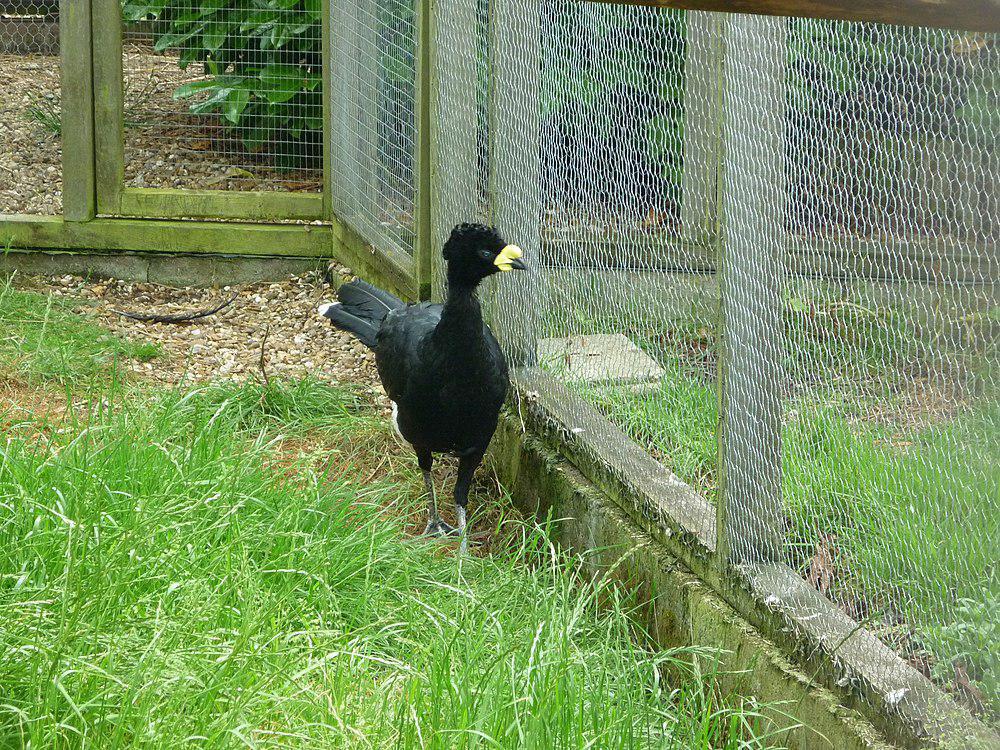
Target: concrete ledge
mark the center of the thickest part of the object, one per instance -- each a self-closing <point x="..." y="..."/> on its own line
<point x="864" y="674"/>
<point x="676" y="608"/>
<point x="171" y="270"/>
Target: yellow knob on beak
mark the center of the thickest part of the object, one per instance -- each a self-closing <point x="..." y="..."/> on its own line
<point x="509" y="259"/>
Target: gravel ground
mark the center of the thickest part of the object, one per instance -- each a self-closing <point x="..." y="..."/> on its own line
<point x="30" y="153"/>
<point x="228" y="344"/>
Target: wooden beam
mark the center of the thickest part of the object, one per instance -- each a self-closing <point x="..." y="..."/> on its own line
<point x="930" y="260"/>
<point x="966" y="15"/>
<point x="702" y="121"/>
<point x="750" y="521"/>
<point x="328" y="141"/>
<point x="109" y="97"/>
<point x="391" y="270"/>
<point x="148" y="236"/>
<point x="79" y="191"/>
<point x="515" y="300"/>
<point x="423" y="245"/>
<point x="455" y="119"/>
<point x="259" y="206"/>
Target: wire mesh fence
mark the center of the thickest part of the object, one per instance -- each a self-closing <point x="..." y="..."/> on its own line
<point x="373" y="119"/>
<point x="30" y="108"/>
<point x="223" y="95"/>
<point x="766" y="249"/>
<point x="813" y="202"/>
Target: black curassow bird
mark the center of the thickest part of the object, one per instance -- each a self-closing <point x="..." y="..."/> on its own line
<point x="439" y="364"/>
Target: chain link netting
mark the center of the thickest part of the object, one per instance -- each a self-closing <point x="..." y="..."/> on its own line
<point x="31" y="108"/>
<point x="223" y="95"/>
<point x="814" y="202"/>
<point x="373" y="119"/>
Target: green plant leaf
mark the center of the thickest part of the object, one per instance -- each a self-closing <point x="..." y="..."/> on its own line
<point x="214" y="36"/>
<point x="280" y="83"/>
<point x="236" y="102"/>
<point x="167" y="41"/>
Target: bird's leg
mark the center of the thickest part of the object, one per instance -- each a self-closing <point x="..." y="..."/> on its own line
<point x="466" y="469"/>
<point x="435" y="526"/>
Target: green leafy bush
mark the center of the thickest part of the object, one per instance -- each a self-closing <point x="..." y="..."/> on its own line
<point x="262" y="61"/>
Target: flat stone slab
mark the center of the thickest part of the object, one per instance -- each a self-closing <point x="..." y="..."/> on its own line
<point x="598" y="358"/>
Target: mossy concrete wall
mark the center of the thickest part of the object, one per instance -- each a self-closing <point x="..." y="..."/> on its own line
<point x="677" y="608"/>
<point x="171" y="270"/>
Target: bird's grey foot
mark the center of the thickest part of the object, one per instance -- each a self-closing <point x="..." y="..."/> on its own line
<point x="437" y="527"/>
<point x="462" y="530"/>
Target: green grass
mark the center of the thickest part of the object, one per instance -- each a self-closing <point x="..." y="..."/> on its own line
<point x="162" y="583"/>
<point x="915" y="513"/>
<point x="42" y="340"/>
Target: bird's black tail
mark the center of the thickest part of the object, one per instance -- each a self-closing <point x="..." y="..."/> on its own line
<point x="360" y="310"/>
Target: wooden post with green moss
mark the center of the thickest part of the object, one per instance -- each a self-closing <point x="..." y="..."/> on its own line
<point x="79" y="192"/>
<point x="702" y="123"/>
<point x="516" y="299"/>
<point x="422" y="251"/>
<point x="752" y="206"/>
<point x="455" y="124"/>
<point x="109" y="102"/>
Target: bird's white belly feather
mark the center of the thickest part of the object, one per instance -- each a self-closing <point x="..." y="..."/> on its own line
<point x="395" y="421"/>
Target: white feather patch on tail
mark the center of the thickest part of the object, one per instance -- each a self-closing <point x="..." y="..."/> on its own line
<point x="323" y="308"/>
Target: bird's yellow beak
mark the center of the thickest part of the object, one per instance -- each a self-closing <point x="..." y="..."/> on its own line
<point x="509" y="258"/>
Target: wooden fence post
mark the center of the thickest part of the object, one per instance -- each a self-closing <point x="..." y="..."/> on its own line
<point x="753" y="205"/>
<point x="455" y="127"/>
<point x="329" y="142"/>
<point x="109" y="102"/>
<point x="423" y="162"/>
<point x="515" y="172"/>
<point x="78" y="155"/>
<point x="702" y="127"/>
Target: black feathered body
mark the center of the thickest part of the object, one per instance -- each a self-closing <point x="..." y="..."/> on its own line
<point x="440" y="364"/>
<point x="446" y="373"/>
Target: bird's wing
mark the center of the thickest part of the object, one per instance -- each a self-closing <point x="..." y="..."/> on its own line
<point x="398" y="351"/>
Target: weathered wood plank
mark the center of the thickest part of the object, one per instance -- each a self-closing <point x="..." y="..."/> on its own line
<point x="300" y="240"/>
<point x="386" y="267"/>
<point x="702" y="121"/>
<point x="328" y="141"/>
<point x="515" y="30"/>
<point x="890" y="259"/>
<point x="969" y="15"/>
<point x="752" y="193"/>
<point x="79" y="190"/>
<point x="391" y="270"/>
<point x="423" y="247"/>
<point x="109" y="97"/>
<point x="455" y="140"/>
<point x="259" y="206"/>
